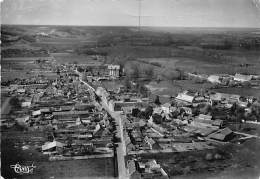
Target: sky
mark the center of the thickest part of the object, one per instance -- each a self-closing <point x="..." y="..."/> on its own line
<point x="180" y="13"/>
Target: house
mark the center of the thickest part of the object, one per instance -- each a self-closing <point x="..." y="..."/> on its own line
<point x="215" y="97"/>
<point x="128" y="109"/>
<point x="69" y="113"/>
<point x="21" y="90"/>
<point x="243" y="102"/>
<point x="22" y="120"/>
<point x="242" y="78"/>
<point x="118" y="105"/>
<point x="185" y="97"/>
<point x="101" y="92"/>
<point x="204" y="117"/>
<point x="26" y="104"/>
<point x="187" y="110"/>
<point x="113" y="70"/>
<point x="36" y="113"/>
<point x="204" y="131"/>
<point x="149" y="141"/>
<point x="166" y="107"/>
<point x="218" y="123"/>
<point x="52" y="146"/>
<point x="45" y="110"/>
<point x="97" y="127"/>
<point x="151" y="169"/>
<point x="222" y="135"/>
<point x="214" y="79"/>
<point x="131" y="166"/>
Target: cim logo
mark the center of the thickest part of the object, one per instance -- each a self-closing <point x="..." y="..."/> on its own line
<point x="23" y="169"/>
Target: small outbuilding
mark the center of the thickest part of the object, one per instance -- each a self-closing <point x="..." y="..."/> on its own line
<point x="222" y="135"/>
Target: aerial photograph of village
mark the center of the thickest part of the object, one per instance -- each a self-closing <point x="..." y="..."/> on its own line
<point x="130" y="89"/>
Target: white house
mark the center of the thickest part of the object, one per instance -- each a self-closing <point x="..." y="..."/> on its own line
<point x="22" y="120"/>
<point x="26" y="104"/>
<point x="113" y="70"/>
<point x="51" y="145"/>
<point x="36" y="113"/>
<point x="21" y="90"/>
<point x="242" y="78"/>
<point x="214" y="79"/>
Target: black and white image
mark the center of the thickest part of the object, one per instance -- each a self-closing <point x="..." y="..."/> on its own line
<point x="130" y="89"/>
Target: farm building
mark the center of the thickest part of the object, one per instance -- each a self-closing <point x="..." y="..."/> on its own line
<point x="185" y="97"/>
<point x="242" y="78"/>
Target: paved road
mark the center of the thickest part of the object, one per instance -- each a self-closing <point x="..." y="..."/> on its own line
<point x="121" y="149"/>
<point x="5" y="106"/>
<point x="80" y="79"/>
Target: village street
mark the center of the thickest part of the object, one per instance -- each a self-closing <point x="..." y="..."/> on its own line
<point x="121" y="149"/>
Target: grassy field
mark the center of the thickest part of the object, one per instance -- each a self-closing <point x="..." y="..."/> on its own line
<point x="240" y="91"/>
<point x="74" y="58"/>
<point x="12" y="153"/>
<point x="166" y="89"/>
<point x="237" y="161"/>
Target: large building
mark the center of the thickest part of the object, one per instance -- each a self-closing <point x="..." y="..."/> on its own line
<point x="114" y="70"/>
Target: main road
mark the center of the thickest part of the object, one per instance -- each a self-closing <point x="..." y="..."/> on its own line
<point x="121" y="149"/>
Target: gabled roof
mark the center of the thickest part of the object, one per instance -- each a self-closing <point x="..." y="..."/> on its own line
<point x="53" y="144"/>
<point x="204" y="131"/>
<point x="217" y="122"/>
<point x="149" y="140"/>
<point x="204" y="117"/>
<point x="185" y="97"/>
<point x="35" y="113"/>
<point x="221" y="134"/>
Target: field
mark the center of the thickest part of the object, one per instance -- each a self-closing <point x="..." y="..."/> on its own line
<point x="11" y="152"/>
<point x="166" y="89"/>
<point x="240" y="91"/>
<point x="226" y="50"/>
<point x="74" y="58"/>
<point x="237" y="161"/>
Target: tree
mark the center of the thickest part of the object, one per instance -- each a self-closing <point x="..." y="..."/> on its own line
<point x="135" y="112"/>
<point x="15" y="102"/>
<point x="98" y="98"/>
<point x="149" y="72"/>
<point x="157" y="119"/>
<point x="246" y="84"/>
<point x="148" y="112"/>
<point x="157" y="100"/>
<point x="143" y="90"/>
<point x="181" y="74"/>
<point x="158" y="79"/>
<point x="135" y="71"/>
<point x="172" y="75"/>
<point x="127" y="83"/>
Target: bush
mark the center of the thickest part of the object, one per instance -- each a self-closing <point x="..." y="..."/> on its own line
<point x="157" y="100"/>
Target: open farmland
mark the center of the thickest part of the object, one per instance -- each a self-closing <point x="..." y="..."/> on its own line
<point x="77" y="59"/>
<point x="168" y="89"/>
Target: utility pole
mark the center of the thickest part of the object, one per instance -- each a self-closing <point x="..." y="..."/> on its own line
<point x="139" y="14"/>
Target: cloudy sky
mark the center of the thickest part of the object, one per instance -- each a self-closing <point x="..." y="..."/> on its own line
<point x="187" y="13"/>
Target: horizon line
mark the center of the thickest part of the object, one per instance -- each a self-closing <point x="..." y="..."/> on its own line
<point x="77" y="25"/>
